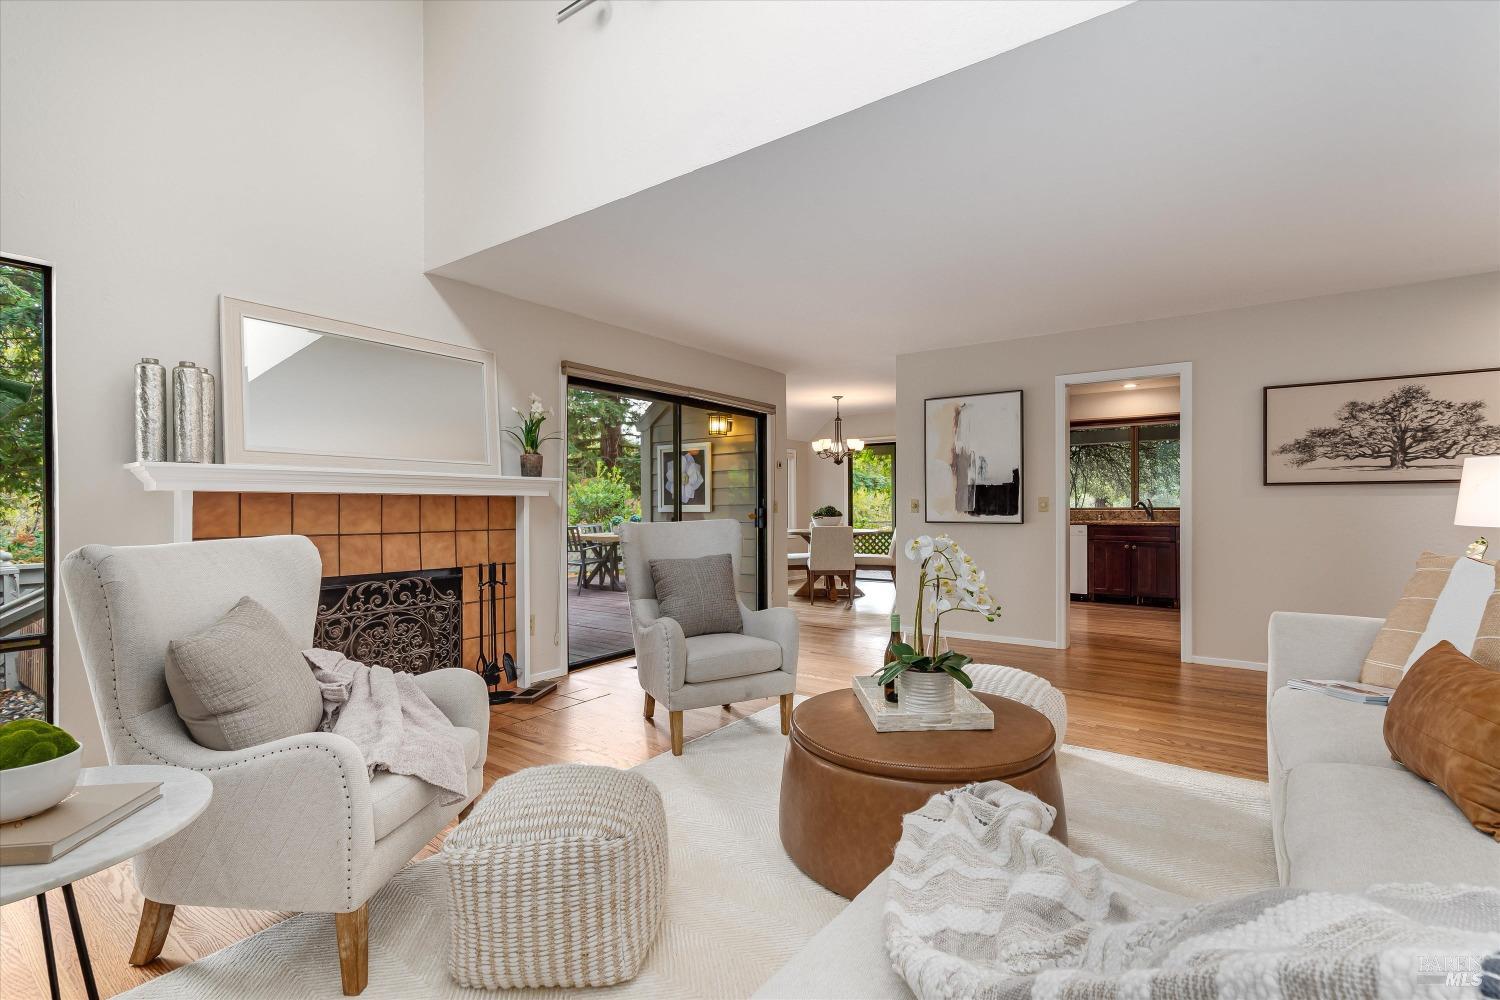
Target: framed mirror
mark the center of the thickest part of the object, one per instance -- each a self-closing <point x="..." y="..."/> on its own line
<point x="305" y="390"/>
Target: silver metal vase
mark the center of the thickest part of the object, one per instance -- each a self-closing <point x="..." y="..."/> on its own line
<point x="924" y="692"/>
<point x="187" y="412"/>
<point x="206" y="407"/>
<point x="150" y="411"/>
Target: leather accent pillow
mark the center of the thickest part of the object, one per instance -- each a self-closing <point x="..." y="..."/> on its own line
<point x="242" y="681"/>
<point x="1443" y="724"/>
<point x="698" y="593"/>
<point x="1438" y="603"/>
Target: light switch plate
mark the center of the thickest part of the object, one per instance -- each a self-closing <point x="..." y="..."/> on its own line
<point x="1044" y="504"/>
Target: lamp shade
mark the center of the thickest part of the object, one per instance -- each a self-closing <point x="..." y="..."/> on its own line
<point x="1479" y="493"/>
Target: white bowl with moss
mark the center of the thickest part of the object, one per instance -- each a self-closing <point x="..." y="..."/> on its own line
<point x="39" y="766"/>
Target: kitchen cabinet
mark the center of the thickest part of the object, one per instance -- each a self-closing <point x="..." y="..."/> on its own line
<point x="1135" y="561"/>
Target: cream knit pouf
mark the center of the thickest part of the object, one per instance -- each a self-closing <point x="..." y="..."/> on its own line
<point x="558" y="878"/>
<point x="1028" y="689"/>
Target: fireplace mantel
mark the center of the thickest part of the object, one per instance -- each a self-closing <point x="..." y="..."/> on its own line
<point x="189" y="477"/>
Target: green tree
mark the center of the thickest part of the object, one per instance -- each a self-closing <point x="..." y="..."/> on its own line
<point x="22" y="414"/>
<point x="871" y="496"/>
<point x="607" y="493"/>
<point x="602" y="429"/>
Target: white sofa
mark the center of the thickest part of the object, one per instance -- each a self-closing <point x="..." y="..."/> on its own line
<point x="1344" y="814"/>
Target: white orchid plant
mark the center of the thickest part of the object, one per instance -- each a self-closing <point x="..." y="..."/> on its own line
<point x="948" y="581"/>
<point x="529" y="435"/>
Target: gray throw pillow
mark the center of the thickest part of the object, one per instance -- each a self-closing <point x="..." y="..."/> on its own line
<point x="698" y="593"/>
<point x="243" y="681"/>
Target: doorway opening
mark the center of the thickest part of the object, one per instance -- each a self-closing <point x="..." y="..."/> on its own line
<point x="1124" y="537"/>
<point x="644" y="455"/>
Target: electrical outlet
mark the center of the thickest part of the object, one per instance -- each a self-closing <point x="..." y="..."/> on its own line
<point x="531" y="623"/>
<point x="1044" y="504"/>
<point x="916" y="506"/>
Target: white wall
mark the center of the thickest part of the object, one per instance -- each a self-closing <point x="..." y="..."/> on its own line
<point x="1257" y="548"/>
<point x="531" y="122"/>
<point x="161" y="154"/>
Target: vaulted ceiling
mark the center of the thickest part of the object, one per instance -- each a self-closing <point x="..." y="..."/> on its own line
<point x="1160" y="160"/>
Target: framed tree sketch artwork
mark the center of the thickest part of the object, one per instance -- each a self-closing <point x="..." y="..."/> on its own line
<point x="1400" y="429"/>
<point x="972" y="458"/>
<point x="695" y="460"/>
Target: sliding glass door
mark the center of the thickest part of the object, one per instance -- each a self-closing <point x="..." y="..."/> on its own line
<point x="647" y="456"/>
<point x="26" y="492"/>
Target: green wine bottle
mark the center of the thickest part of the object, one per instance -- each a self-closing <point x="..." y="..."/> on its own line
<point x="890" y="654"/>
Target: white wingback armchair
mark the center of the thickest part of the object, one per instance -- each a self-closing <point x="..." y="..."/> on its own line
<point x="684" y="673"/>
<point x="296" y="824"/>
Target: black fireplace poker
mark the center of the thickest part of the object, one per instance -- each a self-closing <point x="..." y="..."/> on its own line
<point x="495" y="659"/>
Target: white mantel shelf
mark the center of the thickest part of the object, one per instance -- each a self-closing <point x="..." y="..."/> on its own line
<point x="189" y="477"/>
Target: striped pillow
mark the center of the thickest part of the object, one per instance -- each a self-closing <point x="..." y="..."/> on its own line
<point x="1405" y="626"/>
<point x="1487" y="642"/>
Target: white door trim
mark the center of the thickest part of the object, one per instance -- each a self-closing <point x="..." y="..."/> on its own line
<point x="1184" y="372"/>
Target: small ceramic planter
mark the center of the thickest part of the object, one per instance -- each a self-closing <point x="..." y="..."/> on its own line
<point x="825" y="522"/>
<point x="26" y="791"/>
<point x="924" y="692"/>
<point x="531" y="464"/>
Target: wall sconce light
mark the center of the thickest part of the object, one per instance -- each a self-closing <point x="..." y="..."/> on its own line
<point x="720" y="424"/>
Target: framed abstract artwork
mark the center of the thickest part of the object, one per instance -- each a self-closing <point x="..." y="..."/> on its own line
<point x="972" y="458"/>
<point x="1397" y="429"/>
<point x="695" y="459"/>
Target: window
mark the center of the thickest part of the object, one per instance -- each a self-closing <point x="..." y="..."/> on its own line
<point x="26" y="539"/>
<point x="1119" y="465"/>
<point x="872" y="484"/>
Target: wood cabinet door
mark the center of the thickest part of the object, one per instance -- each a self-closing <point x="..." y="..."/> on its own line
<point x="1155" y="570"/>
<point x="1110" y="572"/>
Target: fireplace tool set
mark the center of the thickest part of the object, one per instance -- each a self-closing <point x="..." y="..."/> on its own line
<point x="495" y="663"/>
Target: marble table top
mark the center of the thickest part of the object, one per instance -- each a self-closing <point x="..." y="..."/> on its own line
<point x="184" y="796"/>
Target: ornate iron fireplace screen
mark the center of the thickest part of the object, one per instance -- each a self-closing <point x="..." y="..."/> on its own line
<point x="411" y="622"/>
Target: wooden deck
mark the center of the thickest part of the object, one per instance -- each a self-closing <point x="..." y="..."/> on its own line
<point x="598" y="623"/>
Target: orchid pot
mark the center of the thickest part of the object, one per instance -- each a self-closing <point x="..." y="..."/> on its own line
<point x="925" y="670"/>
<point x="530" y="437"/>
<point x="917" y="691"/>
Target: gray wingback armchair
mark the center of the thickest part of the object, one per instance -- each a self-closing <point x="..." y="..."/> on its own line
<point x="684" y="673"/>
<point x="296" y="824"/>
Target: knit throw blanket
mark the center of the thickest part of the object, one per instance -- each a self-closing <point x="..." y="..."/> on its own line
<point x="395" y="725"/>
<point x="984" y="904"/>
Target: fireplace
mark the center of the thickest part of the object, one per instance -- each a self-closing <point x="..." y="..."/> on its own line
<point x="412" y="621"/>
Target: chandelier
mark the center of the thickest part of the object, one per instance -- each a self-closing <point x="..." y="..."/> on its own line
<point x="837" y="448"/>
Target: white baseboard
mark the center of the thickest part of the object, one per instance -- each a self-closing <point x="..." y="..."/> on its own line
<point x="1009" y="640"/>
<point x="1219" y="661"/>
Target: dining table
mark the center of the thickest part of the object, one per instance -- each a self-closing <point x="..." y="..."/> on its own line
<point x="609" y="567"/>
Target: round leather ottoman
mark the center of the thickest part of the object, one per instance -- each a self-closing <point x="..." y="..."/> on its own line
<point x="845" y="787"/>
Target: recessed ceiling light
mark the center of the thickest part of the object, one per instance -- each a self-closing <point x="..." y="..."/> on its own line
<point x="1128" y="385"/>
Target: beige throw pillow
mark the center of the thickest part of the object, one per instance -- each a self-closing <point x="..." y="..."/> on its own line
<point x="698" y="593"/>
<point x="1392" y="654"/>
<point x="1486" y="651"/>
<point x="242" y="681"/>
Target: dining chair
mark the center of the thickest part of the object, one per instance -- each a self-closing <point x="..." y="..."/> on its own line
<point x="831" y="555"/>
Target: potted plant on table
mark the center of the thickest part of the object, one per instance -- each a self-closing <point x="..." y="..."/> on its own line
<point x="947" y="581"/>
<point x="827" y="515"/>
<point x="40" y="765"/>
<point x="530" y="437"/>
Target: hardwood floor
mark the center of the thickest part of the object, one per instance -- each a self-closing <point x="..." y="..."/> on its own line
<point x="1126" y="690"/>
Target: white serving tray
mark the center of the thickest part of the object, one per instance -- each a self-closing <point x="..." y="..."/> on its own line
<point x="968" y="711"/>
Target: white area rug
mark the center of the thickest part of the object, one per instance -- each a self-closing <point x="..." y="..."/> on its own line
<point x="737" y="908"/>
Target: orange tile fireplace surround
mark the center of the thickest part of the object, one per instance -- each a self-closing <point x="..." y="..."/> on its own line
<point x="360" y="533"/>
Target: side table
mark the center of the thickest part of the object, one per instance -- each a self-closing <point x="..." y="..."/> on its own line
<point x="184" y="796"/>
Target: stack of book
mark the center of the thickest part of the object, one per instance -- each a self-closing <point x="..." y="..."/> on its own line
<point x="77" y="819"/>
<point x="1365" y="694"/>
